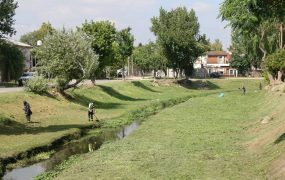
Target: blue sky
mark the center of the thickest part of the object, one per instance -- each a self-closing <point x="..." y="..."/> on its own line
<point x="133" y="13"/>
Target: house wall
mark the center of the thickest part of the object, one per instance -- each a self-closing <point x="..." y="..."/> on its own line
<point x="27" y="57"/>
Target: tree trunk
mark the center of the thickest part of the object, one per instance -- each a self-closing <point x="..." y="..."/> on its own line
<point x="279" y="77"/>
<point x="271" y="79"/>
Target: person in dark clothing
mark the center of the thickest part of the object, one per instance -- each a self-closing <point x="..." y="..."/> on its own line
<point x="243" y="90"/>
<point x="27" y="110"/>
<point x="90" y="111"/>
<point x="260" y="86"/>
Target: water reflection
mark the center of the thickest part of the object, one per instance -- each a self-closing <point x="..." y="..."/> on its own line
<point x="79" y="147"/>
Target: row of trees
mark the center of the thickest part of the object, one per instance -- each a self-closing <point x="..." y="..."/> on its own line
<point x="178" y="44"/>
<point x="257" y="34"/>
<point x="88" y="51"/>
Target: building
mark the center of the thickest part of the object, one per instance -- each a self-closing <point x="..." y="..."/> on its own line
<point x="26" y="50"/>
<point x="215" y="61"/>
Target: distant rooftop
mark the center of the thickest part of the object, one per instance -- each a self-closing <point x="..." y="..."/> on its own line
<point x="217" y="53"/>
<point x="17" y="43"/>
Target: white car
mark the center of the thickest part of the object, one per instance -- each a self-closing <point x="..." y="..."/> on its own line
<point x="25" y="77"/>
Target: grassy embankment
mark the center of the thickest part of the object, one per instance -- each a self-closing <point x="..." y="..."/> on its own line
<point x="234" y="137"/>
<point x="54" y="117"/>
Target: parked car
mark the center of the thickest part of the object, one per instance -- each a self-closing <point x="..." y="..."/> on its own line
<point x="215" y="75"/>
<point x="120" y="72"/>
<point x="25" y="77"/>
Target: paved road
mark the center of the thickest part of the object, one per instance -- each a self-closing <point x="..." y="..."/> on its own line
<point x="19" y="89"/>
<point x="11" y="89"/>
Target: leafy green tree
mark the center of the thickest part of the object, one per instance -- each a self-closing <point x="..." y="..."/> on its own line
<point x="67" y="55"/>
<point x="150" y="57"/>
<point x="124" y="46"/>
<point x="32" y="37"/>
<point x="217" y="45"/>
<point x="240" y="62"/>
<point x="275" y="65"/>
<point x="103" y="34"/>
<point x="261" y="22"/>
<point x="177" y="32"/>
<point x="11" y="61"/>
<point x="7" y="11"/>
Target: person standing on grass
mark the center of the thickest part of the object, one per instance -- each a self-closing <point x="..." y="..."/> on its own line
<point x="90" y="111"/>
<point x="27" y="110"/>
<point x="243" y="90"/>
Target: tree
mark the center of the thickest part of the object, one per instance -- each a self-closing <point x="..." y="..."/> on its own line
<point x="275" y="65"/>
<point x="150" y="56"/>
<point x="7" y="11"/>
<point x="262" y="21"/>
<point x="124" y="47"/>
<point x="240" y="62"/>
<point x="177" y="32"/>
<point x="11" y="61"/>
<point x="217" y="45"/>
<point x="103" y="35"/>
<point x="32" y="37"/>
<point x="67" y="55"/>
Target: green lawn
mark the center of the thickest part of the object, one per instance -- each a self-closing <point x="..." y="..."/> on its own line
<point x="54" y="117"/>
<point x="207" y="137"/>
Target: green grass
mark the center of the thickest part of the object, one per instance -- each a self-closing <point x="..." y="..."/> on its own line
<point x="205" y="138"/>
<point x="54" y="117"/>
<point x="202" y="138"/>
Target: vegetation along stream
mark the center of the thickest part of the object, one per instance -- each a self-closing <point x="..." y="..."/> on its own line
<point x="84" y="145"/>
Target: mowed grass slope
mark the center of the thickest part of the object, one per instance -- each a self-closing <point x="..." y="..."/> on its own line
<point x="54" y="116"/>
<point x="205" y="138"/>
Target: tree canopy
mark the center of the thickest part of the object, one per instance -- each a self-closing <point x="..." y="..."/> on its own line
<point x="102" y="34"/>
<point x="32" y="37"/>
<point x="177" y="32"/>
<point x="67" y="55"/>
<point x="259" y="25"/>
<point x="150" y="57"/>
<point x="124" y="46"/>
<point x="11" y="61"/>
<point x="217" y="45"/>
<point x="7" y="11"/>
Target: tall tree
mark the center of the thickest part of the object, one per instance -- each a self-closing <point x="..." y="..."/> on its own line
<point x="32" y="37"/>
<point x="262" y="21"/>
<point x="103" y="35"/>
<point x="124" y="47"/>
<point x="67" y="55"/>
<point x="7" y="11"/>
<point x="217" y="45"/>
<point x="177" y="32"/>
<point x="150" y="57"/>
<point x="11" y="61"/>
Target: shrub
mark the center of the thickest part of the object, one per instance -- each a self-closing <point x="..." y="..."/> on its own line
<point x="37" y="85"/>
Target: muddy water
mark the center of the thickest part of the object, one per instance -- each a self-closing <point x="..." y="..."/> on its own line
<point x="79" y="147"/>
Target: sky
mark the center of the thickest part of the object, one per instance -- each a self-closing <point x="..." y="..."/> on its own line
<point x="124" y="13"/>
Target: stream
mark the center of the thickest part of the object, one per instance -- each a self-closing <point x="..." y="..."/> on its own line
<point x="82" y="146"/>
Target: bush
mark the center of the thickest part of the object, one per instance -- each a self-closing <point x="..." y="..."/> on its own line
<point x="37" y="85"/>
<point x="60" y="84"/>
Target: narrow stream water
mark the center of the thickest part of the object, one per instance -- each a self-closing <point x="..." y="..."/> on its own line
<point x="79" y="147"/>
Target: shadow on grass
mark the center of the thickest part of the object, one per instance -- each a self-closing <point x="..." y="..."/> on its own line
<point x="279" y="139"/>
<point x="198" y="84"/>
<point x="84" y="101"/>
<point x="112" y="92"/>
<point x="141" y="85"/>
<point x="16" y="128"/>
